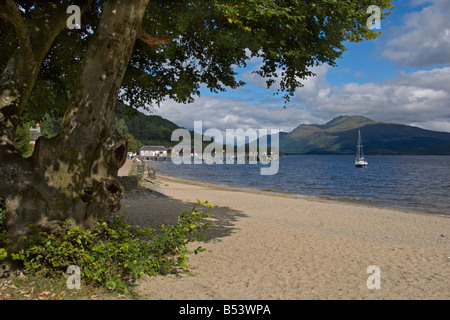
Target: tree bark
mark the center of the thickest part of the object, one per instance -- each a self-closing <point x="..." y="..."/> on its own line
<point x="73" y="175"/>
<point x="35" y="37"/>
<point x="18" y="181"/>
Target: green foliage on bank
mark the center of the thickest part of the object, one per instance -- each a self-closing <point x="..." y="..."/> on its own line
<point x="114" y="254"/>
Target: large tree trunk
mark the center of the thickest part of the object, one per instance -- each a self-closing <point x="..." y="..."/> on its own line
<point x="35" y="37"/>
<point x="73" y="174"/>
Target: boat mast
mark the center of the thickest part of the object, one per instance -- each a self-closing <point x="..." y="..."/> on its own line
<point x="359" y="153"/>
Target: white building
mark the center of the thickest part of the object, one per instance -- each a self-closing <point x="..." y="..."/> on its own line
<point x="35" y="133"/>
<point x="153" y="152"/>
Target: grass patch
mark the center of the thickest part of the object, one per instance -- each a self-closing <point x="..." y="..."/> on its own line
<point x="38" y="287"/>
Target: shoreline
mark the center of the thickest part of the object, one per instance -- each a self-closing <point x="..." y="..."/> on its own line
<point x="267" y="245"/>
<point x="350" y="202"/>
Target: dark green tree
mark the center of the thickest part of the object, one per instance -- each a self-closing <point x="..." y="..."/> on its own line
<point x="22" y="140"/>
<point x="49" y="126"/>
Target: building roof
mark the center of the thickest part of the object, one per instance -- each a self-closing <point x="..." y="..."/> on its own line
<point x="34" y="134"/>
<point x="153" y="148"/>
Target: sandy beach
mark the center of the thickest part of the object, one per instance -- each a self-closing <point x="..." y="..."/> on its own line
<point x="273" y="246"/>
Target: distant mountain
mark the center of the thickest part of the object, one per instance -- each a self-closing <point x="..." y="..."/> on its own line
<point x="339" y="136"/>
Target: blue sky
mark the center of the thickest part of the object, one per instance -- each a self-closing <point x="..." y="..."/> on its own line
<point x="402" y="77"/>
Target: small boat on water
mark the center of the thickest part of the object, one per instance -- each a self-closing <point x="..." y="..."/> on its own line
<point x="359" y="161"/>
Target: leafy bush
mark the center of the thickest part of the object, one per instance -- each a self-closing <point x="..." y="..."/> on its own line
<point x="113" y="254"/>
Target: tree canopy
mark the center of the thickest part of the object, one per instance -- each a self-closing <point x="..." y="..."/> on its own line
<point x="187" y="44"/>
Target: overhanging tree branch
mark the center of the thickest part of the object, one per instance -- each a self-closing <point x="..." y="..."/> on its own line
<point x="155" y="40"/>
<point x="10" y="12"/>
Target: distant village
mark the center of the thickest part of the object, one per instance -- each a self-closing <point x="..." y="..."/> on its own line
<point x="148" y="153"/>
<point x="163" y="153"/>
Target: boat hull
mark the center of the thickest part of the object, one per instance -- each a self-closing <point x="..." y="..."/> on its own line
<point x="361" y="164"/>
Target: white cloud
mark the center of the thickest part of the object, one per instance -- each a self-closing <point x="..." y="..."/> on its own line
<point x="424" y="38"/>
<point x="419" y="98"/>
<point x="222" y="113"/>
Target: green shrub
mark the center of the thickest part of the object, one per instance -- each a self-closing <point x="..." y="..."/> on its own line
<point x="113" y="254"/>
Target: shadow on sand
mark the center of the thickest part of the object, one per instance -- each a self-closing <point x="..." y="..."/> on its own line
<point x="155" y="212"/>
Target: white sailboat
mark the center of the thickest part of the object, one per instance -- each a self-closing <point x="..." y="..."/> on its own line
<point x="359" y="161"/>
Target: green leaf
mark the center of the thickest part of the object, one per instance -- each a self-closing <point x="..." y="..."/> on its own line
<point x="3" y="253"/>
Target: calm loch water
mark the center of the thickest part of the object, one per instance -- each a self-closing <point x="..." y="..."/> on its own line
<point x="414" y="183"/>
